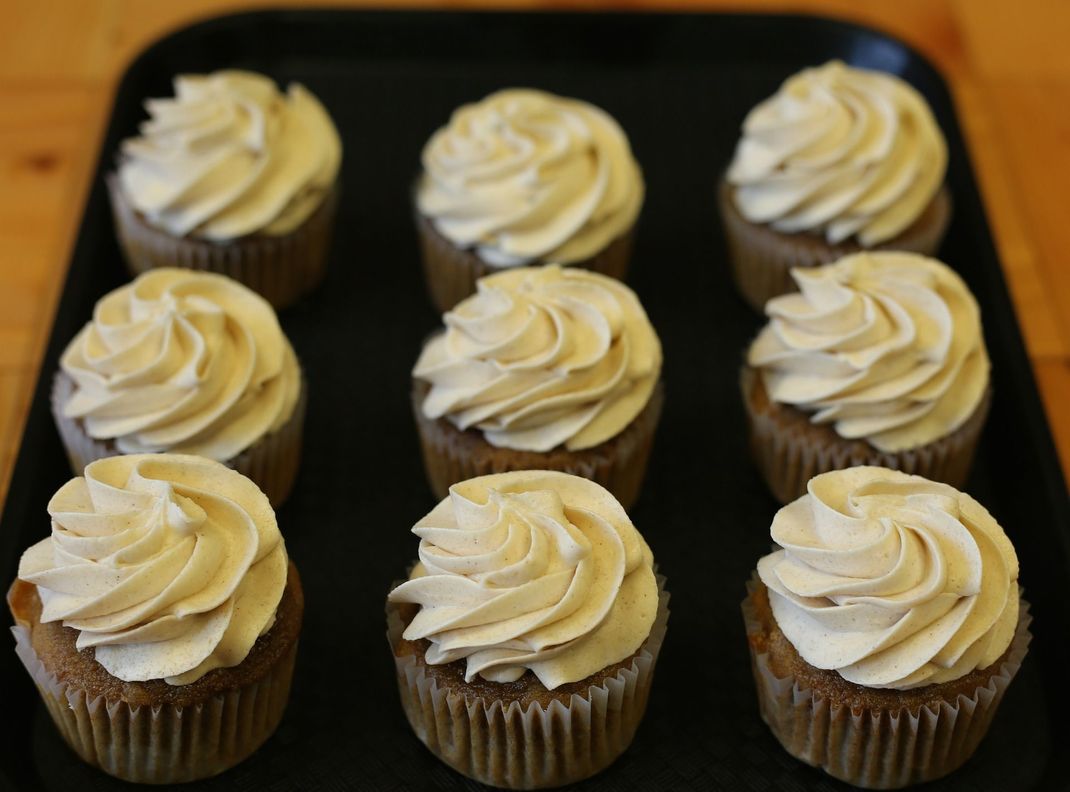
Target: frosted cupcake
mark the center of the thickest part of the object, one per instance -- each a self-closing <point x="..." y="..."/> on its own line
<point x="159" y="620"/>
<point x="838" y="160"/>
<point x="526" y="637"/>
<point x="184" y="362"/>
<point x="524" y="177"/>
<point x="885" y="628"/>
<point x="879" y="359"/>
<point x="545" y="368"/>
<point x="231" y="176"/>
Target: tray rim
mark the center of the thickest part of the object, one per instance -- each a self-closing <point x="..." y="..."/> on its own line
<point x="38" y="417"/>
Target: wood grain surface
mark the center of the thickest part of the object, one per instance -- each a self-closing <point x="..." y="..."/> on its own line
<point x="1008" y="64"/>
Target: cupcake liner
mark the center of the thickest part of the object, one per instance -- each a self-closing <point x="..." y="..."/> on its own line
<point x="762" y="258"/>
<point x="280" y="268"/>
<point x="271" y="462"/>
<point x="501" y="744"/>
<point x="451" y="272"/>
<point x="789" y="450"/>
<point x="879" y="748"/>
<point x="165" y="743"/>
<point x="619" y="464"/>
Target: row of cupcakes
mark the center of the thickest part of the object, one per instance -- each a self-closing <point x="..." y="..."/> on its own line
<point x="235" y="177"/>
<point x="160" y="620"/>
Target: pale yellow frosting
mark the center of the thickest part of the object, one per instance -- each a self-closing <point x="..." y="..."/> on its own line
<point x="884" y="346"/>
<point x="542" y="357"/>
<point x="892" y="581"/>
<point x="182" y="361"/>
<point x="530" y="570"/>
<point x="168" y="566"/>
<point x="525" y="176"/>
<point x="230" y="155"/>
<point x="842" y="152"/>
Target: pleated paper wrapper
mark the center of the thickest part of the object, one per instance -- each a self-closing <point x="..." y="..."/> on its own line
<point x="280" y="268"/>
<point x="271" y="462"/>
<point x="761" y="258"/>
<point x="162" y="744"/>
<point x="789" y="452"/>
<point x="619" y="464"/>
<point x="502" y="745"/>
<point x="451" y="272"/>
<point x="879" y="748"/>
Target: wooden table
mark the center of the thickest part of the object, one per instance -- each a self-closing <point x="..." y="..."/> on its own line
<point x="1008" y="64"/>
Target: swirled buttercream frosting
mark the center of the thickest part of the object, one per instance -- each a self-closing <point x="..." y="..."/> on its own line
<point x="530" y="571"/>
<point x="524" y="176"/>
<point x="182" y="361"/>
<point x="542" y="357"/>
<point x="230" y="155"/>
<point x="168" y="566"/>
<point x="842" y="152"/>
<point x="886" y="347"/>
<point x="891" y="580"/>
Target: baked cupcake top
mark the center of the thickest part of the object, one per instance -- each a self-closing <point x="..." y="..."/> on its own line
<point x="530" y="571"/>
<point x="892" y="581"/>
<point x="525" y="176"/>
<point x="541" y="357"/>
<point x="885" y="346"/>
<point x="168" y="566"/>
<point x="230" y="155"/>
<point x="182" y="361"/>
<point x="842" y="152"/>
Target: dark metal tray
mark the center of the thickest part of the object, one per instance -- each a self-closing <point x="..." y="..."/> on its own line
<point x="679" y="85"/>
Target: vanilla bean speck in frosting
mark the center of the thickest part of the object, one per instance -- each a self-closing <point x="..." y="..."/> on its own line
<point x="230" y="155"/>
<point x="167" y="565"/>
<point x="182" y="361"/>
<point x="542" y="357"/>
<point x="525" y="176"/>
<point x="885" y="346"/>
<point x="891" y="580"/>
<point x="841" y="152"/>
<point x="530" y="570"/>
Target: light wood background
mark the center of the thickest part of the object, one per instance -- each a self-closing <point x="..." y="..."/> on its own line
<point x="1008" y="64"/>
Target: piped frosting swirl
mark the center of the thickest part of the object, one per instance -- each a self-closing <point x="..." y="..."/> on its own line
<point x="542" y="357"/>
<point x="842" y="152"/>
<point x="168" y="566"/>
<point x="891" y="580"/>
<point x="182" y="361"/>
<point x="524" y="176"/>
<point x="530" y="570"/>
<point x="885" y="346"/>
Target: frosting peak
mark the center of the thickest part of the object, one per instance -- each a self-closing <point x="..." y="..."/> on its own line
<point x="525" y="176"/>
<point x="542" y="357"/>
<point x="885" y="346"/>
<point x="530" y="570"/>
<point x="230" y="155"/>
<point x="842" y="152"/>
<point x="182" y="361"/>
<point x="891" y="580"/>
<point x="167" y="565"/>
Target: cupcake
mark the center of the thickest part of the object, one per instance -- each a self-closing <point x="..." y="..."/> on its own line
<point x="545" y="368"/>
<point x="838" y="160"/>
<point x="160" y="619"/>
<point x="524" y="177"/>
<point x="231" y="176"/>
<point x="885" y="627"/>
<point x="879" y="359"/>
<point x="184" y="362"/>
<point x="525" y="639"/>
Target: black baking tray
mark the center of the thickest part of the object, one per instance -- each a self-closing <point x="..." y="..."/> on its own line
<point x="680" y="86"/>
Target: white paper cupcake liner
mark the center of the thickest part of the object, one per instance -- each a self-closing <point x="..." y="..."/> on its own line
<point x="879" y="748"/>
<point x="271" y="462"/>
<point x="503" y="745"/>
